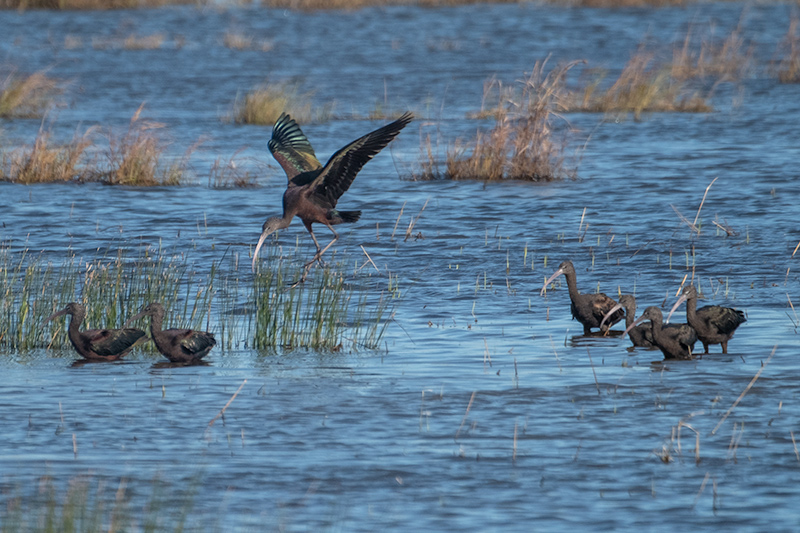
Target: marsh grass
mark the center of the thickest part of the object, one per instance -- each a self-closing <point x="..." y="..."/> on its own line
<point x="524" y="143"/>
<point x="92" y="503"/>
<point x="232" y="174"/>
<point x="644" y="85"/>
<point x="135" y="157"/>
<point x="265" y="103"/>
<point x="730" y="59"/>
<point x="90" y="4"/>
<point x="324" y="313"/>
<point x="788" y="69"/>
<point x="240" y="41"/>
<point x="46" y="163"/>
<point x="28" y="96"/>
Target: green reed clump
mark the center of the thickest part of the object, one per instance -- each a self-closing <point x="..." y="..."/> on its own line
<point x="24" y="96"/>
<point x="265" y="103"/>
<point x="324" y="312"/>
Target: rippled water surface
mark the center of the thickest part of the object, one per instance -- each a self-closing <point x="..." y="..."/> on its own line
<point x="486" y="408"/>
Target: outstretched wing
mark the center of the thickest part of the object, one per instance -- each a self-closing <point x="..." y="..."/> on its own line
<point x="291" y="149"/>
<point x="341" y="169"/>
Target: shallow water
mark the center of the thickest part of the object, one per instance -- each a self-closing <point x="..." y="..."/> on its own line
<point x="487" y="409"/>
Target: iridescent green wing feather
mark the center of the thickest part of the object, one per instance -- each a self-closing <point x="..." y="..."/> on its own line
<point x="291" y="149"/>
<point x="110" y="342"/>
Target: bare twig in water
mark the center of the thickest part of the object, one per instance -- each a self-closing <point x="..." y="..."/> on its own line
<point x="749" y="385"/>
<point x="415" y="220"/>
<point x="514" y="454"/>
<point x="697" y="216"/>
<point x="396" y="222"/>
<point x="796" y="248"/>
<point x="794" y="443"/>
<point x="469" y="406"/>
<point x="702" y="488"/>
<point x="369" y="260"/>
<point x="684" y="219"/>
<point x="593" y="372"/>
<point x="222" y="411"/>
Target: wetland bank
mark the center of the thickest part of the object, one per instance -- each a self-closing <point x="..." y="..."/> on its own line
<point x="481" y="406"/>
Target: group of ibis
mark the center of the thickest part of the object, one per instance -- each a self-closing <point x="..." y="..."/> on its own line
<point x="312" y="193"/>
<point x="712" y="324"/>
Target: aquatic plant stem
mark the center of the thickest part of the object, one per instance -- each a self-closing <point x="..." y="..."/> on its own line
<point x="749" y="386"/>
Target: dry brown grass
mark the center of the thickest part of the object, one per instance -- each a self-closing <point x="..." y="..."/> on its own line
<point x="135" y="157"/>
<point x="523" y="144"/>
<point x="44" y="163"/>
<point x="264" y="104"/>
<point x="643" y="86"/>
<point x="789" y="52"/>
<point x="26" y="96"/>
<point x="311" y="5"/>
<point x="230" y="174"/>
<point x="728" y="60"/>
<point x="239" y="41"/>
<point x="90" y="4"/>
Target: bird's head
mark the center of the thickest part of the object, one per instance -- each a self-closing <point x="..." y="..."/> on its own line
<point x="152" y="309"/>
<point x="73" y="308"/>
<point x="271" y="225"/>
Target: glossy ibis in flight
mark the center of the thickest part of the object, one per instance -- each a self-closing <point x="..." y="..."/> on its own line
<point x="676" y="341"/>
<point x="640" y="335"/>
<point x="714" y="324"/>
<point x="313" y="190"/>
<point x="177" y="345"/>
<point x="98" y="344"/>
<point x="588" y="309"/>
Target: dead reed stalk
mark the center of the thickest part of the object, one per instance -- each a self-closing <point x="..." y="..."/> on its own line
<point x="26" y="96"/>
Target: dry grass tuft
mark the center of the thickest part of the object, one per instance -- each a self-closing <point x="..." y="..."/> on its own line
<point x="26" y="96"/>
<point x="240" y="41"/>
<point x="523" y="144"/>
<point x="43" y="163"/>
<point x="230" y="174"/>
<point x="144" y="42"/>
<point x="134" y="158"/>
<point x="264" y="104"/>
<point x="789" y="50"/>
<point x="729" y="60"/>
<point x="643" y="86"/>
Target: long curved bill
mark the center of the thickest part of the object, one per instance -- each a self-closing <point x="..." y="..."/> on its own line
<point x="608" y="315"/>
<point x="550" y="279"/>
<point x="682" y="299"/>
<point x="261" y="240"/>
<point x="134" y="317"/>
<point x="56" y="315"/>
<point x="635" y="323"/>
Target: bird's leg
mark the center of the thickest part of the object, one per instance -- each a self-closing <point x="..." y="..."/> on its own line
<point x="335" y="238"/>
<point x="316" y="255"/>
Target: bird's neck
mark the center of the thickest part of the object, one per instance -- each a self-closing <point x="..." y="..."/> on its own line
<point x="156" y="322"/>
<point x="630" y="316"/>
<point x="73" y="330"/>
<point x="691" y="310"/>
<point x="572" y="285"/>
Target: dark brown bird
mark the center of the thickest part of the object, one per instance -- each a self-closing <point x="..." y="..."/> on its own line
<point x="98" y="344"/>
<point x="640" y="335"/>
<point x="313" y="190"/>
<point x="588" y="309"/>
<point x="177" y="345"/>
<point x="714" y="324"/>
<point x="676" y="341"/>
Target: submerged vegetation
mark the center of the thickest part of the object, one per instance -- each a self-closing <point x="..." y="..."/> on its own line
<point x="324" y="313"/>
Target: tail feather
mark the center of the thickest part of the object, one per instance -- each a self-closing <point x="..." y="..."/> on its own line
<point x="347" y="216"/>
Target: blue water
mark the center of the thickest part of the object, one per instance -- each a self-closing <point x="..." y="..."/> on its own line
<point x="421" y="434"/>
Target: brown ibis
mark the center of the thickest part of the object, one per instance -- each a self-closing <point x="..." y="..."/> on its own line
<point x="640" y="335"/>
<point x="98" y="344"/>
<point x="714" y="324"/>
<point x="177" y="345"/>
<point x="676" y="341"/>
<point x="588" y="309"/>
<point x="314" y="190"/>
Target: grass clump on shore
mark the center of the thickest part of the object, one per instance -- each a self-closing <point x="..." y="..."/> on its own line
<point x="265" y="103"/>
<point x="524" y="144"/>
<point x="26" y="96"/>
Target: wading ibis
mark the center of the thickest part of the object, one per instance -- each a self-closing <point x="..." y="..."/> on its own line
<point x="714" y="324"/>
<point x="676" y="341"/>
<point x="177" y="345"/>
<point x="313" y="190"/>
<point x="640" y="335"/>
<point x="588" y="309"/>
<point x="98" y="344"/>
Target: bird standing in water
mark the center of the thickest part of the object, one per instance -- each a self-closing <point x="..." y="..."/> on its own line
<point x="714" y="324"/>
<point x="641" y="335"/>
<point x="313" y="190"/>
<point x="676" y="341"/>
<point x="177" y="345"/>
<point x="98" y="344"/>
<point x="588" y="309"/>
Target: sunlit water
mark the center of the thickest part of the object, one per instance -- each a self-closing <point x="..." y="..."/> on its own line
<point x="486" y="409"/>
